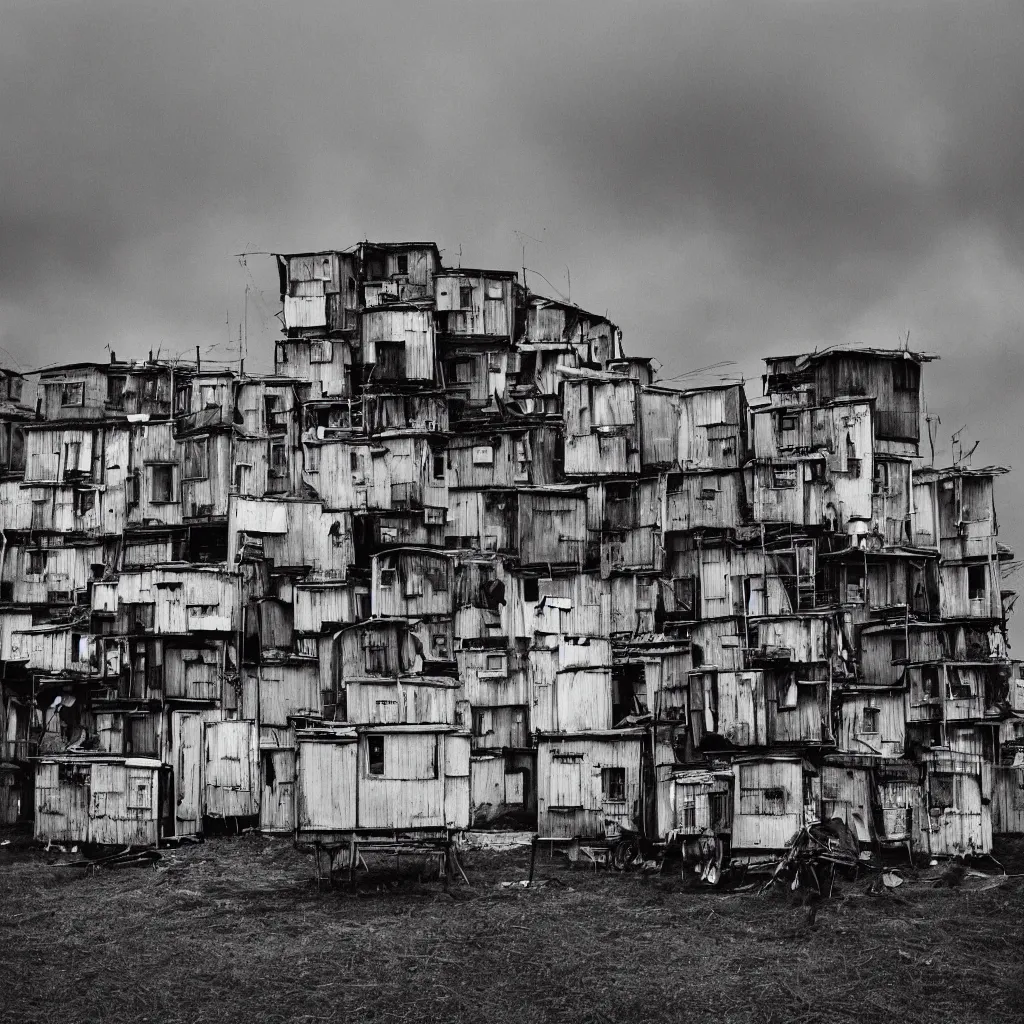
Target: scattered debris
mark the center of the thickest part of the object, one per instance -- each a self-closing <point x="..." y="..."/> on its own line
<point x="815" y="854"/>
<point x="122" y="859"/>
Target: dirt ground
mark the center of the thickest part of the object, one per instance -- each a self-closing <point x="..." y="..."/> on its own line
<point x="234" y="929"/>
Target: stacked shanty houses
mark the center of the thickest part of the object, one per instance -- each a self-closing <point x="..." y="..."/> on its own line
<point x="459" y="561"/>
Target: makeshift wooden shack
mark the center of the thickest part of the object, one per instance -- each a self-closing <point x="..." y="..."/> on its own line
<point x="1008" y="798"/>
<point x="955" y="817"/>
<point x="503" y="785"/>
<point x="381" y="778"/>
<point x="90" y="798"/>
<point x="695" y="803"/>
<point x="588" y="783"/>
<point x="772" y="796"/>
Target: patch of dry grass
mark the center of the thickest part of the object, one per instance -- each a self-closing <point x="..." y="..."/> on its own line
<point x="235" y="930"/>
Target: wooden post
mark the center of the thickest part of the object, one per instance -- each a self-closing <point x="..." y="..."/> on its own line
<point x="533" y="858"/>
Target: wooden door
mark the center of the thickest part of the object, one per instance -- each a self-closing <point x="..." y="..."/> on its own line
<point x="229" y="787"/>
<point x="326" y="786"/>
<point x="186" y="753"/>
<point x="277" y="800"/>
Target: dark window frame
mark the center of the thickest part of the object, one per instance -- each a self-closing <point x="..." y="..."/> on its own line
<point x="159" y="470"/>
<point x="376" y="761"/>
<point x="613" y="784"/>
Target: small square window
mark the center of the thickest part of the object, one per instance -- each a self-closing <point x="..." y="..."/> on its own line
<point x="195" y="459"/>
<point x="375" y="755"/>
<point x="73" y="394"/>
<point x="976" y="582"/>
<point x="278" y="458"/>
<point x="162" y="486"/>
<point x="85" y="502"/>
<point x="115" y="391"/>
<point x="688" y="816"/>
<point x="402" y="263"/>
<point x="313" y="458"/>
<point x="438" y="467"/>
<point x="72" y="456"/>
<point x="182" y="399"/>
<point x="787" y="692"/>
<point x="531" y="589"/>
<point x="320" y="352"/>
<point x="465" y="296"/>
<point x="375" y="658"/>
<point x="36" y="562"/>
<point x="613" y="784"/>
<point x="869" y="720"/>
<point x="353" y="461"/>
<point x="783" y="476"/>
<point x="495" y="662"/>
<point x="898" y="648"/>
<point x="906" y="375"/>
<point x="959" y="686"/>
<point x="684" y="591"/>
<point x="275" y="415"/>
<point x="941" y="790"/>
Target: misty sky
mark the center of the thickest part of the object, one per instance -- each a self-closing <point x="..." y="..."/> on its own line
<point x="725" y="180"/>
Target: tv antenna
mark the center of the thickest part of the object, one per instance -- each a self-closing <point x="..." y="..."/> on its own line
<point x="959" y="455"/>
<point x="520" y="235"/>
<point x="929" y="419"/>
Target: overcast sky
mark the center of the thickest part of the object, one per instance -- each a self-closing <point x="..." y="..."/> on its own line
<point x="725" y="180"/>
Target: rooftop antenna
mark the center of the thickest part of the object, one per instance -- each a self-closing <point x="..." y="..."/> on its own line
<point x="959" y="455"/>
<point x="929" y="419"/>
<point x="522" y="244"/>
<point x="521" y="235"/>
<point x="243" y="341"/>
<point x="460" y="255"/>
<point x="906" y="342"/>
<point x="568" y="285"/>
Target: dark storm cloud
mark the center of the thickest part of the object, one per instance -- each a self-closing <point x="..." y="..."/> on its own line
<point x="725" y="179"/>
